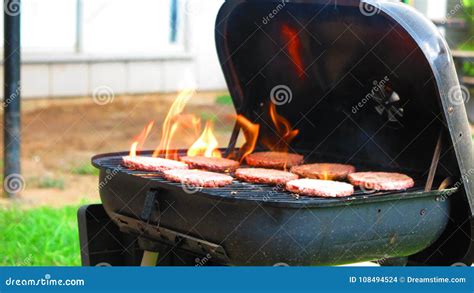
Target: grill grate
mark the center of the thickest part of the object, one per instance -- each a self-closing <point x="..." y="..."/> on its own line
<point x="257" y="192"/>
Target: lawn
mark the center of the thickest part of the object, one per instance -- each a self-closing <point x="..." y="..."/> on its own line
<point x="39" y="237"/>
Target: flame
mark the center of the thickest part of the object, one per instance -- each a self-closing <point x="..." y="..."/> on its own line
<point x="326" y="175"/>
<point x="206" y="145"/>
<point x="171" y="125"/>
<point x="284" y="133"/>
<point x="140" y="139"/>
<point x="251" y="132"/>
<point x="294" y="48"/>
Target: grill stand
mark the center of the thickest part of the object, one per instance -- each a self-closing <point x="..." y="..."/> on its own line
<point x="105" y="244"/>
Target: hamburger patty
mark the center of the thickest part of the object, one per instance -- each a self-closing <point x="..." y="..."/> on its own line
<point x="211" y="164"/>
<point x="274" y="160"/>
<point x="325" y="171"/>
<point x="151" y="163"/>
<point x="321" y="188"/>
<point x="381" y="180"/>
<point x="267" y="176"/>
<point x="198" y="178"/>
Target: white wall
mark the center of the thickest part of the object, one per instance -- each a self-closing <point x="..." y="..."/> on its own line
<point x="192" y="60"/>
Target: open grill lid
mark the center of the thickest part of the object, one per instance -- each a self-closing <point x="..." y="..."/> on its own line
<point x="366" y="81"/>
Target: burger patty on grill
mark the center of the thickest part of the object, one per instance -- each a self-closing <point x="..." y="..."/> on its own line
<point x="321" y="188"/>
<point x="325" y="171"/>
<point x="381" y="180"/>
<point x="151" y="164"/>
<point x="198" y="178"/>
<point x="274" y="160"/>
<point x="267" y="176"/>
<point x="211" y="164"/>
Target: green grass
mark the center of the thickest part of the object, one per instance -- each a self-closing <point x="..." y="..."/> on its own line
<point x="224" y="100"/>
<point x="47" y="182"/>
<point x="39" y="237"/>
<point x="85" y="169"/>
<point x="206" y="116"/>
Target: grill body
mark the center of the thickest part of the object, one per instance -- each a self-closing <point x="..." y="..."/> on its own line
<point x="262" y="225"/>
<point x="342" y="52"/>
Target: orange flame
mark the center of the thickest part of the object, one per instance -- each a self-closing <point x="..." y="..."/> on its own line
<point x="206" y="145"/>
<point x="170" y="125"/>
<point x="294" y="48"/>
<point x="326" y="175"/>
<point x="251" y="132"/>
<point x="285" y="134"/>
<point x="140" y="139"/>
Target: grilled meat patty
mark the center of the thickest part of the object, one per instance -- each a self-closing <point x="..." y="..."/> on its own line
<point x="274" y="160"/>
<point x="325" y="171"/>
<point x="198" y="178"/>
<point x="381" y="180"/>
<point x="151" y="164"/>
<point x="266" y="176"/>
<point x="321" y="188"/>
<point x="211" y="164"/>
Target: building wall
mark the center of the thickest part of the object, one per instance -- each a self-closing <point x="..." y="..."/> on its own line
<point x="69" y="74"/>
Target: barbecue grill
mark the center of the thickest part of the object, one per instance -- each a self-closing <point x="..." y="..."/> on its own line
<point x="367" y="83"/>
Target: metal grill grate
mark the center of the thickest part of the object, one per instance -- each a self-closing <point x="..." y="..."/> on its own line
<point x="259" y="192"/>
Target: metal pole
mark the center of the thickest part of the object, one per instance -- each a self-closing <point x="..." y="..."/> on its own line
<point x="11" y="97"/>
<point x="79" y="25"/>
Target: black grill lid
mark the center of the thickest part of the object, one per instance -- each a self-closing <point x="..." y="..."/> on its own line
<point x="365" y="81"/>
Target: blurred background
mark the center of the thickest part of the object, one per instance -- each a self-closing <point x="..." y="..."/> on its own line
<point x="96" y="73"/>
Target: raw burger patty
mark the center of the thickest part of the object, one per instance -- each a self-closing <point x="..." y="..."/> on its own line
<point x="381" y="180"/>
<point x="151" y="164"/>
<point x="322" y="188"/>
<point x="268" y="176"/>
<point x="324" y="171"/>
<point x="275" y="160"/>
<point x="198" y="178"/>
<point x="211" y="164"/>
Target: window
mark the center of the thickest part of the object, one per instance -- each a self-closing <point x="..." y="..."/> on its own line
<point x="116" y="27"/>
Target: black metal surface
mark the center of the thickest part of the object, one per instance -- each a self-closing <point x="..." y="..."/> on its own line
<point x="11" y="93"/>
<point x="343" y="52"/>
<point x="258" y="225"/>
<point x="101" y="242"/>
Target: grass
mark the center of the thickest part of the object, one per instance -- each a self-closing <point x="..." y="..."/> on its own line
<point x="224" y="100"/>
<point x="39" y="237"/>
<point x="85" y="169"/>
<point x="47" y="182"/>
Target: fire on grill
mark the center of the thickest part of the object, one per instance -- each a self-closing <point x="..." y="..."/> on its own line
<point x="316" y="180"/>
